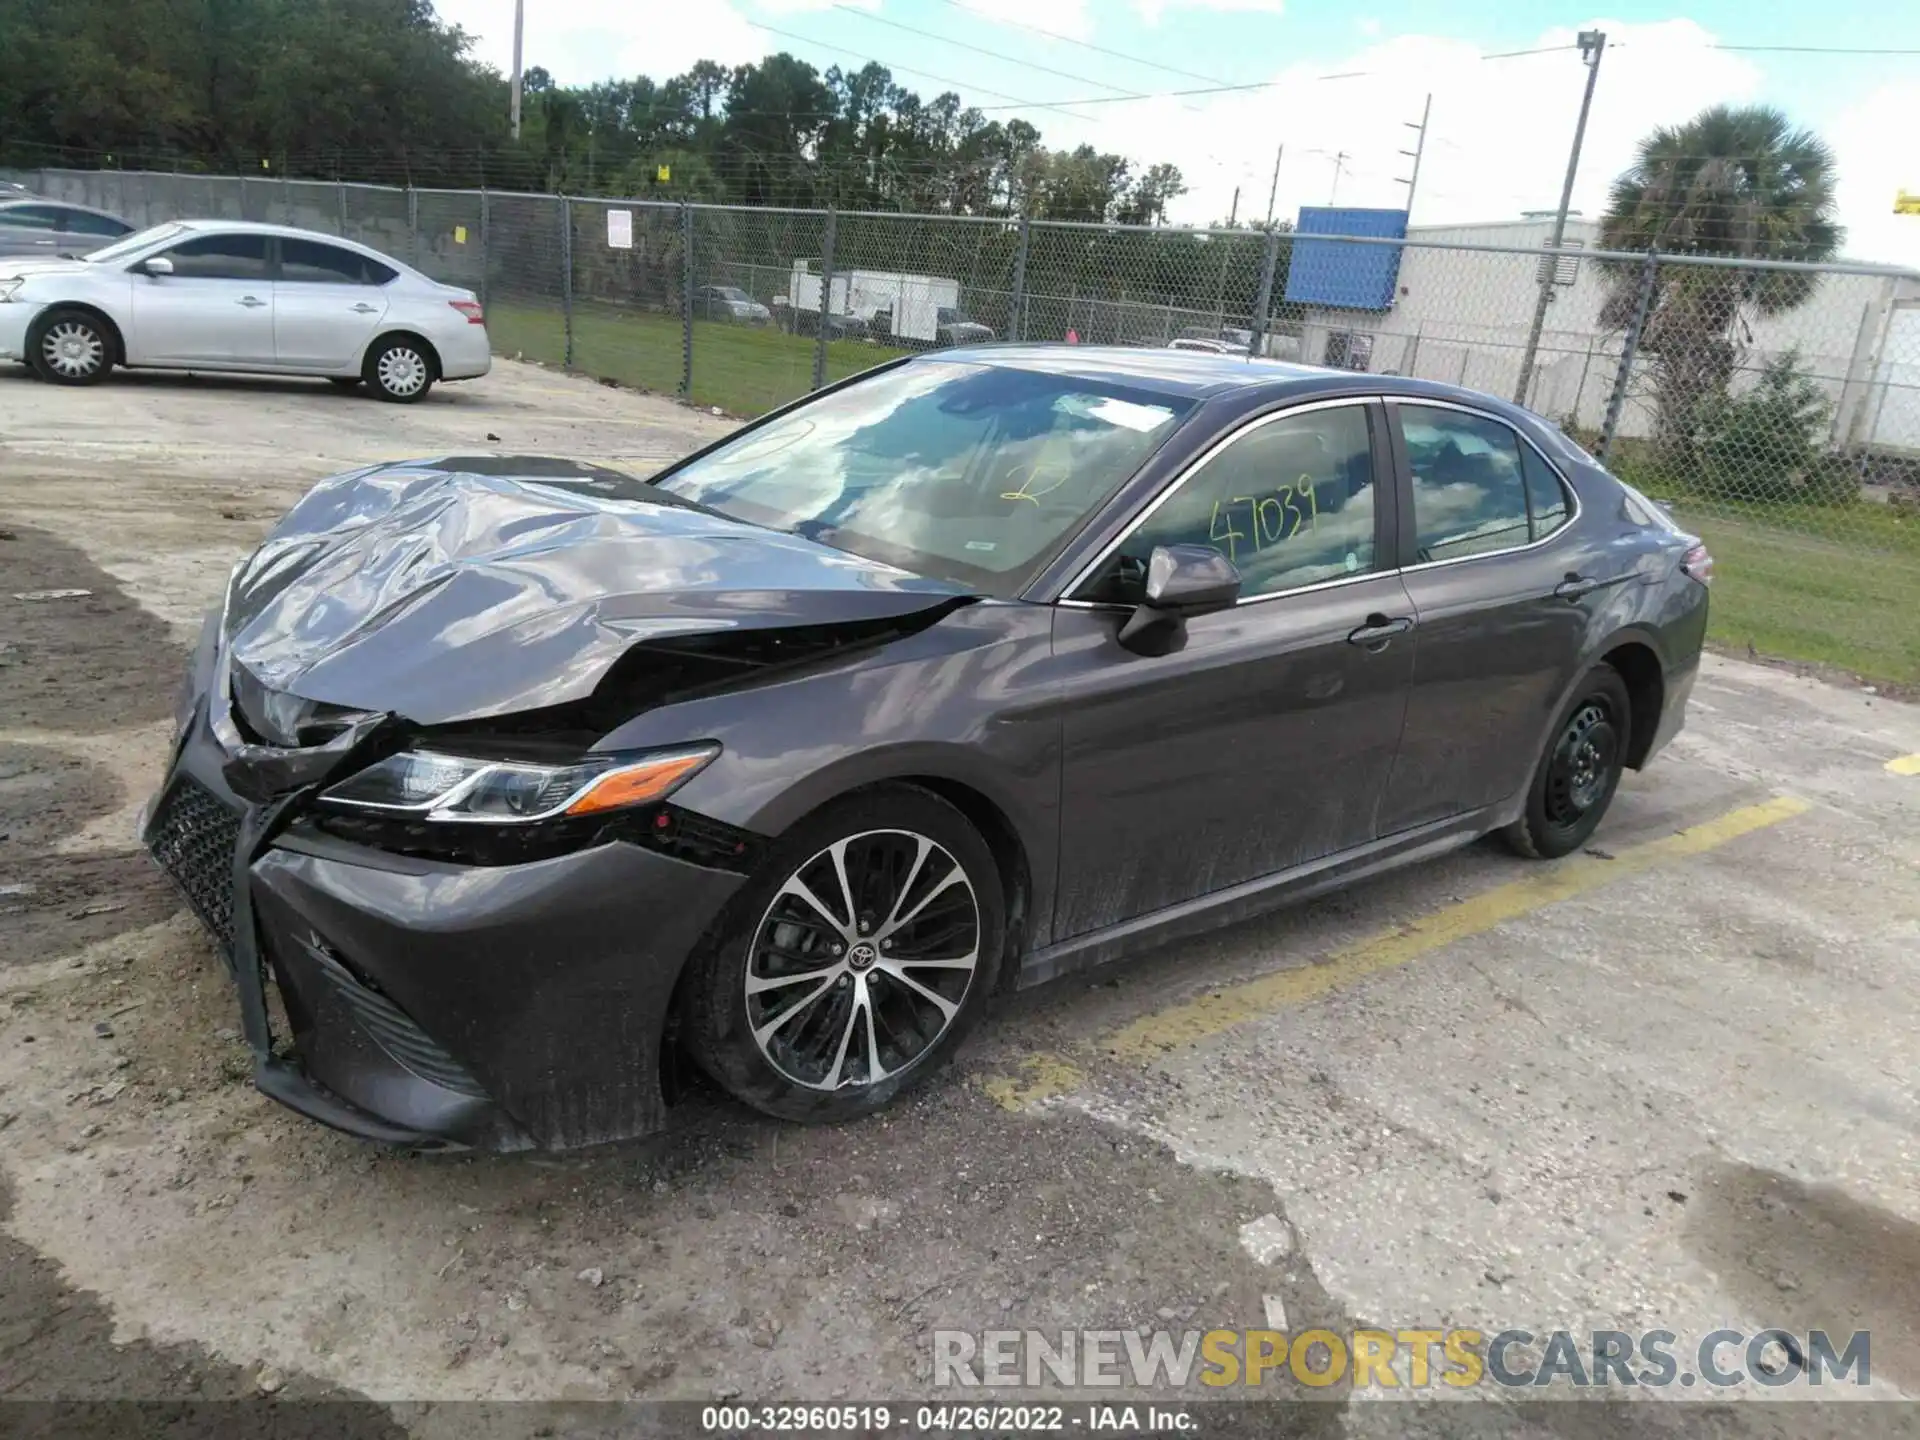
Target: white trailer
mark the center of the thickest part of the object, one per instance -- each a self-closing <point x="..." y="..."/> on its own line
<point x="803" y="289"/>
<point x="913" y="302"/>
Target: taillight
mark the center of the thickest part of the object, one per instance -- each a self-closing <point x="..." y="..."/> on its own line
<point x="471" y="309"/>
<point x="1698" y="563"/>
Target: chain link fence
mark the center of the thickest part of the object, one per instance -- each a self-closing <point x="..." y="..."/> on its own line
<point x="1775" y="408"/>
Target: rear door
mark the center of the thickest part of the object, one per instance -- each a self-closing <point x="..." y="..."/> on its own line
<point x="215" y="309"/>
<point x="327" y="303"/>
<point x="1503" y="588"/>
<point x="1265" y="740"/>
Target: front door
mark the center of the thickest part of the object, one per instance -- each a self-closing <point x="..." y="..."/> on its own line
<point x="1498" y="647"/>
<point x="1265" y="741"/>
<point x="215" y="309"/>
<point x="327" y="302"/>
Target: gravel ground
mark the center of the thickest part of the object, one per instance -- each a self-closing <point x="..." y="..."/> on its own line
<point x="1678" y="1094"/>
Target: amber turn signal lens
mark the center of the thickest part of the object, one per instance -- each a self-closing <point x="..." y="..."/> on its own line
<point x="639" y="783"/>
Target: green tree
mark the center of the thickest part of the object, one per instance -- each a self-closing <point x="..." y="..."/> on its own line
<point x="1734" y="181"/>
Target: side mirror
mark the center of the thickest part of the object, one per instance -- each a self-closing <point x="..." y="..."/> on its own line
<point x="1182" y="581"/>
<point x="157" y="265"/>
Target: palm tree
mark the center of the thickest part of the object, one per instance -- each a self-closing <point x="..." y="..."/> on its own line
<point x="1734" y="181"/>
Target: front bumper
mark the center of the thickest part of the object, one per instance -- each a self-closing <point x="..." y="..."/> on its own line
<point x="434" y="1005"/>
<point x="15" y="317"/>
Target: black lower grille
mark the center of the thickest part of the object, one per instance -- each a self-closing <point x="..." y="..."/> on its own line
<point x="193" y="839"/>
<point x="392" y="1029"/>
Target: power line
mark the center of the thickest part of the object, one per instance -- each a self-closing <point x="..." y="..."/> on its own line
<point x="1017" y="102"/>
<point x="1089" y="45"/>
<point x="976" y="49"/>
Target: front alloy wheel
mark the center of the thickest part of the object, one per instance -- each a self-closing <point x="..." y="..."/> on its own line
<point x="71" y="348"/>
<point x="863" y="959"/>
<point x="855" y="961"/>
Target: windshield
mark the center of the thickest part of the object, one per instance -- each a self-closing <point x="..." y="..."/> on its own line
<point x="730" y="292"/>
<point x="135" y="242"/>
<point x="965" y="472"/>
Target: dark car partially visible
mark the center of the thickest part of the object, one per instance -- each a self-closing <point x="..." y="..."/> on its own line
<point x="506" y="774"/>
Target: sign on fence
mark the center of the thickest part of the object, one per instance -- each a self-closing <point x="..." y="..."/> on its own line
<point x="620" y="229"/>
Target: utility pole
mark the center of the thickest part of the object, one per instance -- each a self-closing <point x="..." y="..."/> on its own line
<point x="519" y="29"/>
<point x="1419" y="148"/>
<point x="1226" y="252"/>
<point x="1593" y="44"/>
<point x="1339" y="163"/>
<point x="1273" y="190"/>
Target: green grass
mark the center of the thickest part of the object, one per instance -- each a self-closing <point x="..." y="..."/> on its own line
<point x="1840" y="586"/>
<point x="741" y="369"/>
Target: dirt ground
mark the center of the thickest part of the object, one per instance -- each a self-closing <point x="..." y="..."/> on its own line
<point x="1667" y="1084"/>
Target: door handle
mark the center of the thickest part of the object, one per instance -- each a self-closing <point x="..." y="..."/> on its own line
<point x="1379" y="631"/>
<point x="1574" y="587"/>
<point x="250" y="302"/>
<point x="365" y="309"/>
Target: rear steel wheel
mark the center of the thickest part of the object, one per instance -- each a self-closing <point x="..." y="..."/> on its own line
<point x="400" y="370"/>
<point x="855" y="960"/>
<point x="1575" y="779"/>
<point x="863" y="960"/>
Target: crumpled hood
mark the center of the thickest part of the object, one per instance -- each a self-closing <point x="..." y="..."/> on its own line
<point x="465" y="587"/>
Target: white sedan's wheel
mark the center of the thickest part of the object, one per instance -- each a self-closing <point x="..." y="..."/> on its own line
<point x="400" y="370"/>
<point x="70" y="347"/>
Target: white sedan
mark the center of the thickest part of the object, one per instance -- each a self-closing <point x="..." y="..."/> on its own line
<point x="209" y="295"/>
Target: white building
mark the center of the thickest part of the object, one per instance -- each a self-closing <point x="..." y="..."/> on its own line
<point x="1462" y="309"/>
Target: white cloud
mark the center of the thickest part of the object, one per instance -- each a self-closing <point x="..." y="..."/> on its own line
<point x="1152" y="10"/>
<point x="1873" y="142"/>
<point x="1497" y="142"/>
<point x="587" y="40"/>
<point x="796" y="7"/>
<point x="1071" y="18"/>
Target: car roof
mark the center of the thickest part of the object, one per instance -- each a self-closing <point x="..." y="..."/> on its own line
<point x="1207" y="374"/>
<point x="10" y="201"/>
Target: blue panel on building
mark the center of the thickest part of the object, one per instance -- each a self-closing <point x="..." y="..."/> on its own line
<point x="1333" y="272"/>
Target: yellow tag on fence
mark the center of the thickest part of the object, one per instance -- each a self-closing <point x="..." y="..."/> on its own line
<point x="459" y="234"/>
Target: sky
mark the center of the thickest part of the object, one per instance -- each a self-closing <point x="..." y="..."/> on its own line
<point x="1342" y="85"/>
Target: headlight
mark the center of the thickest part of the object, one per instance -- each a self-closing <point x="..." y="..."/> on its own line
<point x="11" y="288"/>
<point x="435" y="786"/>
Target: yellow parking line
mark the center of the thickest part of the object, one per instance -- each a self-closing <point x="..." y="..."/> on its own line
<point x="1199" y="1019"/>
<point x="1043" y="1075"/>
<point x="1905" y="765"/>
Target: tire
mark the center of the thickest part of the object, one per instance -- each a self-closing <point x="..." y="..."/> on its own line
<point x="400" y="369"/>
<point x="812" y="1060"/>
<point x="344" y="382"/>
<point x="70" y="347"/>
<point x="1574" y="782"/>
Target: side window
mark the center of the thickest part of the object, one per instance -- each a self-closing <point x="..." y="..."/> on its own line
<point x="1546" y="496"/>
<point x="221" y="257"/>
<point x="311" y="262"/>
<point x="1469" y="496"/>
<point x="1290" y="502"/>
<point x="29" y="217"/>
<point x="85" y="222"/>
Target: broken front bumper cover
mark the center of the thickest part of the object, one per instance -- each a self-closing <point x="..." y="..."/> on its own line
<point x="433" y="1005"/>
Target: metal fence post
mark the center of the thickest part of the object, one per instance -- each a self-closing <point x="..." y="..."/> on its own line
<point x="686" y="300"/>
<point x="486" y="263"/>
<point x="1017" y="308"/>
<point x="566" y="275"/>
<point x="341" y="198"/>
<point x="1257" y="340"/>
<point x="1629" y="347"/>
<point x="413" y="227"/>
<point x="826" y="303"/>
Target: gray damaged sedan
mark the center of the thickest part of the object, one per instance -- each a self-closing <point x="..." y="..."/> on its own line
<point x="511" y="777"/>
